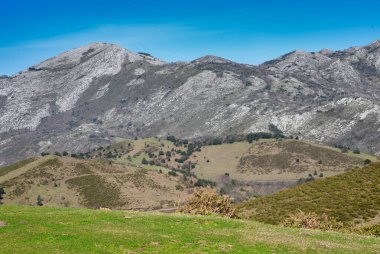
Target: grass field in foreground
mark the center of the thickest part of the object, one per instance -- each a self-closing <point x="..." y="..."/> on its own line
<point x="64" y="230"/>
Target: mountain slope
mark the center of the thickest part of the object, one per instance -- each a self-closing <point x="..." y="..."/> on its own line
<point x="70" y="182"/>
<point x="82" y="98"/>
<point x="352" y="198"/>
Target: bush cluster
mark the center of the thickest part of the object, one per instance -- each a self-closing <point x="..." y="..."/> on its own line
<point x="311" y="220"/>
<point x="207" y="201"/>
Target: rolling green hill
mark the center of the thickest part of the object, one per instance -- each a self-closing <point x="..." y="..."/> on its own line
<point x="155" y="173"/>
<point x="351" y="198"/>
<point x="66" y="230"/>
<point x="239" y="169"/>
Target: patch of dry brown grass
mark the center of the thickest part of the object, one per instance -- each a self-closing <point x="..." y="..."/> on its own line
<point x="311" y="220"/>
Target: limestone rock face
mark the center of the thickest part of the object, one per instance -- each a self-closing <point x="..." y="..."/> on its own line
<point x="84" y="97"/>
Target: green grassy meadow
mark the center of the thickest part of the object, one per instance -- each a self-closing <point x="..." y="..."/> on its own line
<point x="68" y="230"/>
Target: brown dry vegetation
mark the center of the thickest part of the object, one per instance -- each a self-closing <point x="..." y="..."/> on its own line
<point x="65" y="181"/>
<point x="207" y="201"/>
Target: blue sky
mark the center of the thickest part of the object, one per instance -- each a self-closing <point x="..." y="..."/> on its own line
<point x="244" y="31"/>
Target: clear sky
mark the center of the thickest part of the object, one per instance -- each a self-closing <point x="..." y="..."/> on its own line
<point x="243" y="31"/>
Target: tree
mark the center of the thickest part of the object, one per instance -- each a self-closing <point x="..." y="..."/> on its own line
<point x="250" y="137"/>
<point x="258" y="135"/>
<point x="171" y="138"/>
<point x="275" y="130"/>
<point x="40" y="200"/>
<point x="216" y="141"/>
<point x="2" y="192"/>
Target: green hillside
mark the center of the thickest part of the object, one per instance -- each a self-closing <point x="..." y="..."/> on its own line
<point x="64" y="230"/>
<point x="155" y="173"/>
<point x="352" y="198"/>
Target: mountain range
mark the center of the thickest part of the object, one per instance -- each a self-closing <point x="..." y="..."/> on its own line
<point x="90" y="96"/>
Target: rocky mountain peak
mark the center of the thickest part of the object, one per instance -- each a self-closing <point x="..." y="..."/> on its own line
<point x="72" y="58"/>
<point x="375" y="44"/>
<point x="325" y="51"/>
<point x="211" y="59"/>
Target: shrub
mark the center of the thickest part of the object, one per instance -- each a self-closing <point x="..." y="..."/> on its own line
<point x="207" y="201"/>
<point x="231" y="139"/>
<point x="144" y="53"/>
<point x="2" y="192"/>
<point x="369" y="230"/>
<point x="311" y="220"/>
<point x="172" y="173"/>
<point x="40" y="200"/>
<point x="171" y="138"/>
<point x="204" y="183"/>
<point x="367" y="161"/>
<point x="216" y="141"/>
